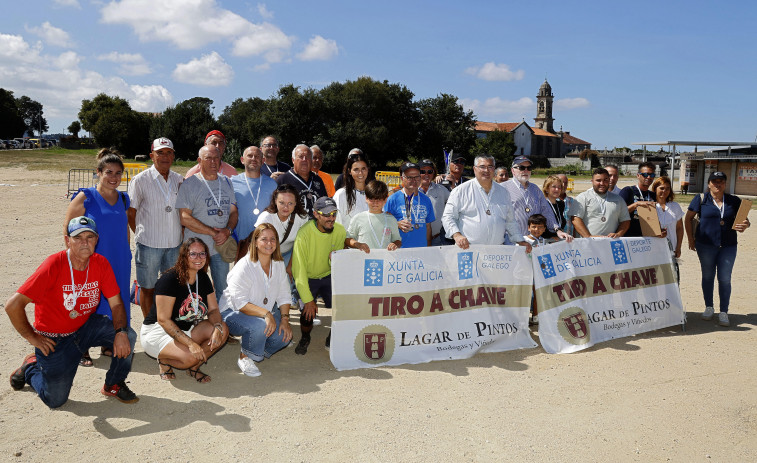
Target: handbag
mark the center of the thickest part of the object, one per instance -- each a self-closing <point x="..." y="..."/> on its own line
<point x="227" y="250"/>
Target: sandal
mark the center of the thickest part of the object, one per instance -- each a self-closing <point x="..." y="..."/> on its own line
<point x="106" y="351"/>
<point x="199" y="376"/>
<point x="85" y="360"/>
<point x="167" y="375"/>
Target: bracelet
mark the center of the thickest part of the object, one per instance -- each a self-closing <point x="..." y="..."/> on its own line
<point x="218" y="327"/>
<point x="285" y="315"/>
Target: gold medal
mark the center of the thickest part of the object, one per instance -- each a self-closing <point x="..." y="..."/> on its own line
<point x="73" y="314"/>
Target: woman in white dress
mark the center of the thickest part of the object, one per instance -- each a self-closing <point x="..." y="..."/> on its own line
<point x="350" y="200"/>
<point x="670" y="215"/>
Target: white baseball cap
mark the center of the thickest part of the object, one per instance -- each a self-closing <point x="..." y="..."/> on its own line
<point x="162" y="142"/>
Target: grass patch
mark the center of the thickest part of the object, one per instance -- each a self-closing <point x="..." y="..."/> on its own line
<point x="62" y="160"/>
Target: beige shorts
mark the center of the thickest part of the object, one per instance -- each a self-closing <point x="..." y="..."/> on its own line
<point x="154" y="339"/>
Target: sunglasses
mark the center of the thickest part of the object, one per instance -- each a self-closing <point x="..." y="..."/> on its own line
<point x="195" y="255"/>
<point x="270" y="145"/>
<point x="330" y="214"/>
<point x="647" y="175"/>
<point x="521" y="168"/>
<point x="427" y="171"/>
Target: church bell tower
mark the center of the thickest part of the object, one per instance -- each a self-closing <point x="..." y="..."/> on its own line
<point x="544" y="99"/>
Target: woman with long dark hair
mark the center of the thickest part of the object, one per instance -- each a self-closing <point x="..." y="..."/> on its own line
<point x="350" y="200"/>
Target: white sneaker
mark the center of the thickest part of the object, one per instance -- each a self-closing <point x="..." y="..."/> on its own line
<point x="316" y="321"/>
<point x="248" y="367"/>
<point x="723" y="319"/>
<point x="708" y="313"/>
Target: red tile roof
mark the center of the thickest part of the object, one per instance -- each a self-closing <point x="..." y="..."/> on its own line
<point x="542" y="133"/>
<point x="492" y="126"/>
<point x="571" y="140"/>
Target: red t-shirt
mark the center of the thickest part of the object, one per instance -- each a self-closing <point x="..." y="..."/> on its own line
<point x="51" y="282"/>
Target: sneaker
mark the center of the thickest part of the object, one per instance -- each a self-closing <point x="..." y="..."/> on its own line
<point x="18" y="377"/>
<point x="723" y="319"/>
<point x="533" y="321"/>
<point x="328" y="342"/>
<point x="121" y="392"/>
<point x="302" y="346"/>
<point x="708" y="313"/>
<point x="316" y="321"/>
<point x="248" y="367"/>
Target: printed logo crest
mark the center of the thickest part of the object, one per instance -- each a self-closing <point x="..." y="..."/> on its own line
<point x="572" y="325"/>
<point x="373" y="274"/>
<point x="546" y="265"/>
<point x="619" y="252"/>
<point x="374" y="344"/>
<point x="465" y="265"/>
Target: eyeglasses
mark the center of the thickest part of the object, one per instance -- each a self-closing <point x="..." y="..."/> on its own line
<point x="270" y="145"/>
<point x="412" y="179"/>
<point x="195" y="255"/>
<point x="647" y="175"/>
<point x="521" y="168"/>
<point x="427" y="171"/>
<point x="330" y="214"/>
<point x="484" y="167"/>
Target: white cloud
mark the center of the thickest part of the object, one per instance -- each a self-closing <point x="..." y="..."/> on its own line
<point x="51" y="35"/>
<point x="131" y="64"/>
<point x="496" y="106"/>
<point x="192" y="25"/>
<point x="264" y="12"/>
<point x="495" y="72"/>
<point x="210" y="70"/>
<point x="60" y="84"/>
<point x="571" y="103"/>
<point x="319" y="49"/>
<point x="73" y="3"/>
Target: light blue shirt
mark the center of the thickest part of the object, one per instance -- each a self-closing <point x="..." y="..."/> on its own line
<point x="246" y="193"/>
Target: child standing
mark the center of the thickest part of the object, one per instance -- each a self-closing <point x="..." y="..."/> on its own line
<point x="374" y="228"/>
<point x="537" y="225"/>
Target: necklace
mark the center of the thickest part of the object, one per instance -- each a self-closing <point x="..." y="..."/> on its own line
<point x="70" y="300"/>
<point x="217" y="200"/>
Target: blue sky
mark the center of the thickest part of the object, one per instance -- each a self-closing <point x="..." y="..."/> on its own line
<point x="639" y="71"/>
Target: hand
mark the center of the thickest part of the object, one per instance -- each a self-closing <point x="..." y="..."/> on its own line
<point x="663" y="234"/>
<point x="221" y="235"/>
<point x="678" y="253"/>
<point x="270" y="324"/>
<point x="392" y="247"/>
<point x="275" y="175"/>
<point x="310" y="310"/>
<point x="461" y="241"/>
<point x="405" y="225"/>
<point x="121" y="346"/>
<point x="285" y="329"/>
<point x="692" y="244"/>
<point x="526" y="244"/>
<point x="741" y="227"/>
<point x="43" y="343"/>
<point x="564" y="236"/>
<point x="613" y="235"/>
<point x="197" y="352"/>
<point x="216" y="339"/>
<point x="363" y="247"/>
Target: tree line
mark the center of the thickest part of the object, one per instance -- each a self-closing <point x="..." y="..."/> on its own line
<point x="20" y="115"/>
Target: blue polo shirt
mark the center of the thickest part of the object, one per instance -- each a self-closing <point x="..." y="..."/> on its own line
<point x="246" y="202"/>
<point x="422" y="213"/>
<point x="710" y="231"/>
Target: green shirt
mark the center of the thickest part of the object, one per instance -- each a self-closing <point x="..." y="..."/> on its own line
<point x="312" y="255"/>
<point x="367" y="228"/>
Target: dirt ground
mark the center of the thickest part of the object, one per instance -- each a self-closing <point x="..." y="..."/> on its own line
<point x="668" y="395"/>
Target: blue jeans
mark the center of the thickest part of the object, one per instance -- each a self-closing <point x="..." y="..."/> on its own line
<point x="219" y="270"/>
<point x="53" y="375"/>
<point x="714" y="259"/>
<point x="151" y="261"/>
<point x="252" y="329"/>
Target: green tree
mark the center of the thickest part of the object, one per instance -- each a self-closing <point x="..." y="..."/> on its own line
<point x="444" y="125"/>
<point x="112" y="122"/>
<point x="186" y="125"/>
<point x="11" y="123"/>
<point x="498" y="144"/>
<point x="74" y="128"/>
<point x="31" y="112"/>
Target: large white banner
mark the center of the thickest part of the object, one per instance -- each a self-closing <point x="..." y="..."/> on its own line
<point x="596" y="289"/>
<point x="424" y="304"/>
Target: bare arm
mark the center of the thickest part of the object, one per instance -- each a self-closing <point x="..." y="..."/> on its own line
<point x="580" y="227"/>
<point x="131" y="216"/>
<point x="688" y="225"/>
<point x="193" y="224"/>
<point x="622" y="229"/>
<point x="164" y="309"/>
<point x="75" y="209"/>
<point x="679" y="237"/>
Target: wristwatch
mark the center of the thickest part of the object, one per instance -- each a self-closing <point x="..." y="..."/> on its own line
<point x="123" y="328"/>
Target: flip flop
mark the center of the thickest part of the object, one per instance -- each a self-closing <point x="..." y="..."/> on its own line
<point x="85" y="360"/>
<point x="199" y="376"/>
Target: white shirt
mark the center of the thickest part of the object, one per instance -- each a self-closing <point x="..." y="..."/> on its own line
<point x="343" y="216"/>
<point x="465" y="212"/>
<point x="669" y="219"/>
<point x="281" y="228"/>
<point x="247" y="284"/>
<point x="150" y="193"/>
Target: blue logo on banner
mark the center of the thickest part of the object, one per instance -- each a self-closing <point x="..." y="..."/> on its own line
<point x="547" y="267"/>
<point x="465" y="265"/>
<point x="619" y="252"/>
<point x="374" y="272"/>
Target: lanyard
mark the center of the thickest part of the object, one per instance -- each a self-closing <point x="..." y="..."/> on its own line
<point x="70" y="302"/>
<point x="487" y="197"/>
<point x="164" y="191"/>
<point x="308" y="186"/>
<point x="267" y="280"/>
<point x="643" y="196"/>
<point x="409" y="211"/>
<point x="383" y="231"/>
<point x="195" y="302"/>
<point x="256" y="211"/>
<point x="218" y="200"/>
<point x="269" y="167"/>
<point x="602" y="204"/>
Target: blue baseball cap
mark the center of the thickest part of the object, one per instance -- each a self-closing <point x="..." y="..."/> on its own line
<point x="521" y="159"/>
<point x="79" y="225"/>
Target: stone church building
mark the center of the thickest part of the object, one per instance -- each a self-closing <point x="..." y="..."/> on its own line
<point x="541" y="140"/>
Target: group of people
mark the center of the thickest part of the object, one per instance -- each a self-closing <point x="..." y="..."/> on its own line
<point x="279" y="225"/>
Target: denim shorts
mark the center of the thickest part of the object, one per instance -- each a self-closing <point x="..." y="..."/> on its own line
<point x="150" y="261"/>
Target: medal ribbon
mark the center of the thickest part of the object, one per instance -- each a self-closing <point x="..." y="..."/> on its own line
<point x="73" y="284"/>
<point x="218" y="201"/>
<point x="195" y="302"/>
<point x="247" y="182"/>
<point x="164" y="191"/>
<point x="383" y="231"/>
